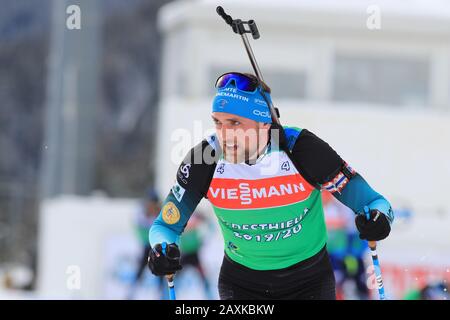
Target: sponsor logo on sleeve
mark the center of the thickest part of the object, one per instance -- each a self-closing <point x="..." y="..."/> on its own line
<point x="170" y="213"/>
<point x="183" y="172"/>
<point x="178" y="191"/>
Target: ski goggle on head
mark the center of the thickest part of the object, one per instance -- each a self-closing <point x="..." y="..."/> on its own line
<point x="241" y="81"/>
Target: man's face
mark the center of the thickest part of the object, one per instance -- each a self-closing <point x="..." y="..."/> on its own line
<point x="240" y="138"/>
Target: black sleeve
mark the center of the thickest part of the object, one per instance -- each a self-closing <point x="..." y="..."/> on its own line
<point x="196" y="170"/>
<point x="316" y="157"/>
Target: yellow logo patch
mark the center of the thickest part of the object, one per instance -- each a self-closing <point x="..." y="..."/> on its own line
<point x="170" y="213"/>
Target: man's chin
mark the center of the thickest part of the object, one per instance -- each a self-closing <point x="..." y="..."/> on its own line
<point x="232" y="157"/>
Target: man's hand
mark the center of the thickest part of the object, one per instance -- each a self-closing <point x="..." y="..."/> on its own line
<point x="167" y="263"/>
<point x="374" y="229"/>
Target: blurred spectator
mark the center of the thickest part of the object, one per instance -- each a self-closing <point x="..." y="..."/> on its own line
<point x="191" y="242"/>
<point x="346" y="250"/>
<point x="431" y="291"/>
<point x="150" y="210"/>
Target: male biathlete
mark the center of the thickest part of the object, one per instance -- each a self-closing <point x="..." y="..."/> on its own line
<point x="264" y="183"/>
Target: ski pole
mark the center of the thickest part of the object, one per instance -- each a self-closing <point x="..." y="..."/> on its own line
<point x="375" y="261"/>
<point x="238" y="27"/>
<point x="169" y="277"/>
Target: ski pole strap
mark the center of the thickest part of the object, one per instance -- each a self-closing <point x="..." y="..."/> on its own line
<point x="367" y="213"/>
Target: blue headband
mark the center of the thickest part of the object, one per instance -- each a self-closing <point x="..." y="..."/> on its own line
<point x="250" y="105"/>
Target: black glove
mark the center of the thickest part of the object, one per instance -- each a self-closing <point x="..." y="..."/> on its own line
<point x="164" y="264"/>
<point x="375" y="229"/>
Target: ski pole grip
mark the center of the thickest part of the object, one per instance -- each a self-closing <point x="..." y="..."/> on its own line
<point x="253" y="29"/>
<point x="228" y="19"/>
